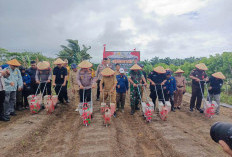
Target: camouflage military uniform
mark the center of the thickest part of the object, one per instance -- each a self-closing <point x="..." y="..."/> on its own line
<point x="135" y="92"/>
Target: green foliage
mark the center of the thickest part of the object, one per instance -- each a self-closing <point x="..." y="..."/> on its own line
<point x="73" y="52"/>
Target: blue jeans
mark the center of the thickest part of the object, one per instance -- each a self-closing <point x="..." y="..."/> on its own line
<point x="9" y="103"/>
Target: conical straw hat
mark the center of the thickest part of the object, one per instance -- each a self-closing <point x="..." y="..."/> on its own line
<point x="160" y="70"/>
<point x="14" y="62"/>
<point x="168" y="69"/>
<point x="43" y="65"/>
<point x="59" y="61"/>
<point x="201" y="66"/>
<point x="85" y="64"/>
<point x="219" y="75"/>
<point x="66" y="61"/>
<point x="107" y="72"/>
<point x="135" y="67"/>
<point x="179" y="71"/>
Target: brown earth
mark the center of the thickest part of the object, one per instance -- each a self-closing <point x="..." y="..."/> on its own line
<point x="60" y="134"/>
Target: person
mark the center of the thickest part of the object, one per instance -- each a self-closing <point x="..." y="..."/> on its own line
<point x="74" y="85"/>
<point x="199" y="77"/>
<point x="135" y="78"/>
<point x="157" y="79"/>
<point x="32" y="72"/>
<point x="215" y="85"/>
<point x="181" y="88"/>
<point x="26" y="87"/>
<point x="12" y="84"/>
<point x="43" y="77"/>
<point x="60" y="79"/>
<point x="145" y="76"/>
<point x="3" y="74"/>
<point x="108" y="85"/>
<point x="68" y="70"/>
<point x="225" y="147"/>
<point x="85" y="81"/>
<point x="117" y="67"/>
<point x="100" y="68"/>
<point x="121" y="89"/>
<point x="170" y="85"/>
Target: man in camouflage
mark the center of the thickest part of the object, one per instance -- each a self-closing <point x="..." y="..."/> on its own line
<point x="135" y="78"/>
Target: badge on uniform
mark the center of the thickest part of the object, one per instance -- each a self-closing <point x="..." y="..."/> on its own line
<point x="61" y="76"/>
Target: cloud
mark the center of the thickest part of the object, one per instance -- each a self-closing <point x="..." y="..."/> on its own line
<point x="164" y="28"/>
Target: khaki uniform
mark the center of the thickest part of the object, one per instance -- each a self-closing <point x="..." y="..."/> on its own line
<point x="108" y="83"/>
<point x="74" y="85"/>
<point x="180" y="84"/>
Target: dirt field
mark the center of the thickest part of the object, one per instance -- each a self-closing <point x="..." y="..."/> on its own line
<point x="62" y="134"/>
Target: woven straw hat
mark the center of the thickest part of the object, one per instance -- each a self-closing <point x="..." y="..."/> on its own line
<point x="179" y="71"/>
<point x="135" y="67"/>
<point x="43" y="65"/>
<point x="85" y="64"/>
<point x="14" y="62"/>
<point x="59" y="61"/>
<point x="201" y="66"/>
<point x="66" y="61"/>
<point x="160" y="70"/>
<point x="219" y="75"/>
<point x="168" y="69"/>
<point x="107" y="72"/>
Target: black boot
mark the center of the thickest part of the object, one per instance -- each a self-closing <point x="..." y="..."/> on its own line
<point x="4" y="118"/>
<point x="137" y="108"/>
<point x="132" y="112"/>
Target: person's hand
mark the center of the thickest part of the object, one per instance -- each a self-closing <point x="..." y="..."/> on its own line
<point x="162" y="83"/>
<point x="7" y="72"/>
<point x="20" y="88"/>
<point x="118" y="86"/>
<point x="175" y="92"/>
<point x="164" y="87"/>
<point x="153" y="83"/>
<point x="12" y="84"/>
<point x="24" y="84"/>
<point x="210" y="88"/>
<point x="53" y="84"/>
<point x="206" y="79"/>
<point x="127" y="92"/>
<point x="225" y="147"/>
<point x="197" y="79"/>
<point x="93" y="86"/>
<point x="145" y="84"/>
<point x="81" y="87"/>
<point x="64" y="84"/>
<point x="48" y="81"/>
<point x="135" y="85"/>
<point x="37" y="82"/>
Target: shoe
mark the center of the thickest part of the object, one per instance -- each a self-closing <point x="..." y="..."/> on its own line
<point x="67" y="101"/>
<point x="13" y="114"/>
<point x="173" y="110"/>
<point x="191" y="110"/>
<point x="137" y="108"/>
<point x="4" y="118"/>
<point x="97" y="99"/>
<point x="42" y="107"/>
<point x="114" y="114"/>
<point x="122" y="110"/>
<point x="200" y="110"/>
<point x="91" y="116"/>
<point x="77" y="110"/>
<point x="132" y="112"/>
<point x="178" y="107"/>
<point x="117" y="109"/>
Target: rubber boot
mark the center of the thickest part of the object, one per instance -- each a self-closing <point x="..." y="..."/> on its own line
<point x="132" y="110"/>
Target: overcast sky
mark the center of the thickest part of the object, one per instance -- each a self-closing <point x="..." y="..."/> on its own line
<point x="163" y="28"/>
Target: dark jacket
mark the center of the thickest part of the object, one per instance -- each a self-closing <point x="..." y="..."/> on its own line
<point x="157" y="79"/>
<point x="32" y="73"/>
<point x="123" y="82"/>
<point x="171" y="85"/>
<point x="216" y="85"/>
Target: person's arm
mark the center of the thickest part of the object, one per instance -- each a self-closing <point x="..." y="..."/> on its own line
<point x="66" y="77"/>
<point x="225" y="147"/>
<point x="37" y="76"/>
<point x="115" y="84"/>
<point x="20" y="81"/>
<point x="101" y="84"/>
<point x="28" y="80"/>
<point x="50" y="76"/>
<point x="79" y="79"/>
<point x="53" y="77"/>
<point x="97" y="72"/>
<point x="174" y="80"/>
<point x="191" y="76"/>
<point x="127" y="84"/>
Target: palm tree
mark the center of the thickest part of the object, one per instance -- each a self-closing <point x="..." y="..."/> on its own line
<point x="73" y="52"/>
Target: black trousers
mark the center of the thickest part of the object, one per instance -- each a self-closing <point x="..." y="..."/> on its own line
<point x="47" y="90"/>
<point x="86" y="96"/>
<point x="62" y="90"/>
<point x="171" y="99"/>
<point x="98" y="89"/>
<point x="160" y="96"/>
<point x="2" y="99"/>
<point x="26" y="93"/>
<point x="34" y="87"/>
<point x="65" y="91"/>
<point x="196" y="97"/>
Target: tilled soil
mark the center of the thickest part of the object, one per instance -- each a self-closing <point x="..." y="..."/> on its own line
<point x="62" y="133"/>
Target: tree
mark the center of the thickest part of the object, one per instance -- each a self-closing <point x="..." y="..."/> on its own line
<point x="73" y="52"/>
